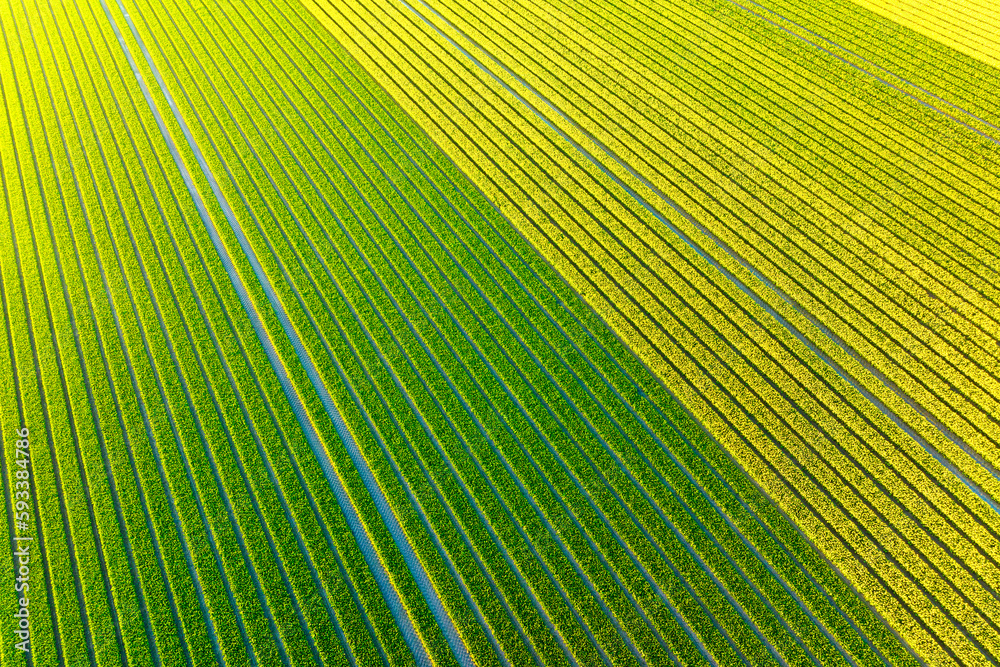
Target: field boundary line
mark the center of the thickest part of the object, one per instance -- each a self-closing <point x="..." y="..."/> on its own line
<point x="791" y="328"/>
<point x="387" y="514"/>
<point x="595" y="399"/>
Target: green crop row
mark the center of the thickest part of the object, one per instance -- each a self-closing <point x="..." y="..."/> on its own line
<point x="111" y="241"/>
<point x="19" y="365"/>
<point x="126" y="340"/>
<point x="11" y="423"/>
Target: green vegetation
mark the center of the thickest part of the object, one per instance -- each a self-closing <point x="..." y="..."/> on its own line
<point x="601" y="447"/>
